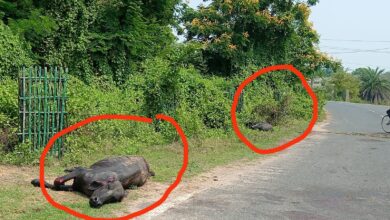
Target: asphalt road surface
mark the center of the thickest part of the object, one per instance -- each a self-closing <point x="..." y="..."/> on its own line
<point x="342" y="172"/>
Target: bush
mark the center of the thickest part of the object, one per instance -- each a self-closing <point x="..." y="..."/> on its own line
<point x="102" y="97"/>
<point x="209" y="97"/>
<point x="169" y="90"/>
<point x="301" y="107"/>
<point x="8" y="113"/>
<point x="21" y="155"/>
<point x="201" y="104"/>
<point x="271" y="99"/>
<point x="12" y="52"/>
<point x="8" y="100"/>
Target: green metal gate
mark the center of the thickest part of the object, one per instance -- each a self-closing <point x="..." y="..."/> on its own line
<point x="42" y="106"/>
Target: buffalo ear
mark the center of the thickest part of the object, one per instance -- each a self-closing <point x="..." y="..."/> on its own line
<point x="95" y="185"/>
<point x="115" y="185"/>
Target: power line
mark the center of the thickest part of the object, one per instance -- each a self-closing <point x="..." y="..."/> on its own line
<point x="355" y="49"/>
<point x="343" y="50"/>
<point x="357" y="65"/>
<point x="361" y="51"/>
<point x="355" y="40"/>
<point x="346" y="50"/>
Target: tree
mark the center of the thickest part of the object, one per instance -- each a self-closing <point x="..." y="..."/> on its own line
<point x="12" y="52"/>
<point x="236" y="34"/>
<point x="342" y="84"/>
<point x="375" y="87"/>
<point x="109" y="37"/>
<point x="92" y="37"/>
<point x="27" y="19"/>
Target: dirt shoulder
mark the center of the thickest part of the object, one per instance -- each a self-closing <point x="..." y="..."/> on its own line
<point x="219" y="176"/>
<point x="216" y="177"/>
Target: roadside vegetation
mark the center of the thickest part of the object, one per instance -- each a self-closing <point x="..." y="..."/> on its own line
<point x="165" y="160"/>
<point x="363" y="85"/>
<point x="124" y="59"/>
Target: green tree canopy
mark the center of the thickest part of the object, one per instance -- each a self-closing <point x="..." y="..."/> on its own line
<point x="12" y="53"/>
<point x="340" y="82"/>
<point x="92" y="37"/>
<point x="242" y="32"/>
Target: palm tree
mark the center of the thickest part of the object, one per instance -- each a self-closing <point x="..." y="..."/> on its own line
<point x="375" y="88"/>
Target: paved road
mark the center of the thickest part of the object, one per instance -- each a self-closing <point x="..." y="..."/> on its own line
<point x="343" y="173"/>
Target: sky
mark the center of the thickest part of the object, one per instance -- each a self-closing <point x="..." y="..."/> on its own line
<point x="357" y="32"/>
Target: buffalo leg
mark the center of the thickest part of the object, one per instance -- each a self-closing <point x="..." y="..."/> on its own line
<point x="59" y="183"/>
<point x="36" y="183"/>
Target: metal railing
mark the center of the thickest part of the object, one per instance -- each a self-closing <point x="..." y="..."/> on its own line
<point x="42" y="106"/>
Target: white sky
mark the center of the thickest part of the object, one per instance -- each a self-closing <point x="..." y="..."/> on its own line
<point x="355" y="31"/>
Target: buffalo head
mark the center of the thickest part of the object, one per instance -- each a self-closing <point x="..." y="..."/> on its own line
<point x="106" y="191"/>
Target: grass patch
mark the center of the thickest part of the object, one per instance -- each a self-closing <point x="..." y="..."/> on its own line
<point x="21" y="201"/>
<point x="322" y="116"/>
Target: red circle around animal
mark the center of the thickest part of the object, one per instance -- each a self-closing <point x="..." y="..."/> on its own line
<point x="114" y="117"/>
<point x="291" y="142"/>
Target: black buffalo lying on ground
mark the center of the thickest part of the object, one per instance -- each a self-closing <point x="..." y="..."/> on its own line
<point x="262" y="126"/>
<point x="106" y="180"/>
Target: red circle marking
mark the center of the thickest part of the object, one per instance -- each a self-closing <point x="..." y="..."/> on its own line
<point x="116" y="117"/>
<point x="253" y="77"/>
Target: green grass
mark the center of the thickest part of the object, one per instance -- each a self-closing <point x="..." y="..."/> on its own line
<point x="322" y="116"/>
<point x="24" y="202"/>
<point x="21" y="201"/>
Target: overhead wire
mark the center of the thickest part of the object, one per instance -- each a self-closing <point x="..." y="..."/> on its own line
<point x="356" y="40"/>
<point x="335" y="50"/>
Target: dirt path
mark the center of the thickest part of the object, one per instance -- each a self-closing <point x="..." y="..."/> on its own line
<point x="15" y="174"/>
<point x="141" y="197"/>
<point x="217" y="177"/>
<point x="21" y="176"/>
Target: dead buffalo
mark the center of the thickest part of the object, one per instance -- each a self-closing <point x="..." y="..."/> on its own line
<point x="262" y="126"/>
<point x="106" y="180"/>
